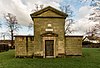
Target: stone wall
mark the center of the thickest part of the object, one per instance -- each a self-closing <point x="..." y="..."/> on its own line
<point x="30" y="46"/>
<point x="73" y="45"/>
<point x="24" y="48"/>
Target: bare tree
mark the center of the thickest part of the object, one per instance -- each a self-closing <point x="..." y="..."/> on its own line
<point x="41" y="6"/>
<point x="95" y="17"/>
<point x="96" y="14"/>
<point x="69" y="21"/>
<point x="12" y="25"/>
<point x="0" y="25"/>
<point x="30" y="26"/>
<point x="68" y="26"/>
<point x="37" y="7"/>
<point x="95" y="4"/>
<point x="4" y="35"/>
<point x="94" y="30"/>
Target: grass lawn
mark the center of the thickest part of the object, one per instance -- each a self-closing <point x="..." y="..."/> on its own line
<point x="90" y="59"/>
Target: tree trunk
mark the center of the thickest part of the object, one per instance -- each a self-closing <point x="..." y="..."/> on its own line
<point x="12" y="43"/>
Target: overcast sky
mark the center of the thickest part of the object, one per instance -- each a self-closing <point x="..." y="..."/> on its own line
<point x="23" y="8"/>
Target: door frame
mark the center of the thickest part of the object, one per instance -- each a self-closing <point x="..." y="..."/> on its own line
<point x="49" y="38"/>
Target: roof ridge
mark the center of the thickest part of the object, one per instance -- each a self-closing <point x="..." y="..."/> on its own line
<point x="49" y="8"/>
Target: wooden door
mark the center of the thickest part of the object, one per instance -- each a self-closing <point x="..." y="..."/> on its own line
<point x="49" y="47"/>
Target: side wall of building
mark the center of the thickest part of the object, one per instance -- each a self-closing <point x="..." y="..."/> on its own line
<point x="23" y="47"/>
<point x="20" y="46"/>
<point x="73" y="45"/>
<point x="30" y="46"/>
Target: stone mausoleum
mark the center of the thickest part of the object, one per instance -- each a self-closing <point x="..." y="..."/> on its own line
<point x="49" y="40"/>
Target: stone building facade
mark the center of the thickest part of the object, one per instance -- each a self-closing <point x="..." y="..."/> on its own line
<point x="49" y="36"/>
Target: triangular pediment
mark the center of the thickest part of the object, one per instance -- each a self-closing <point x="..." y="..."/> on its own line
<point x="49" y="12"/>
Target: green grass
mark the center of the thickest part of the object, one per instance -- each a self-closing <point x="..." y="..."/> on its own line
<point x="90" y="59"/>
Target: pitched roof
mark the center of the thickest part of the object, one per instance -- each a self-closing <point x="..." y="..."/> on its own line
<point x="46" y="9"/>
<point x="92" y="37"/>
